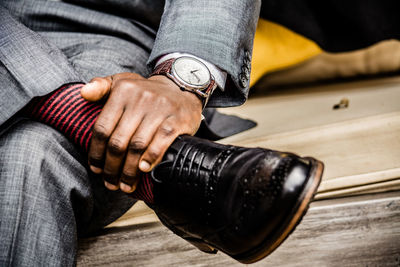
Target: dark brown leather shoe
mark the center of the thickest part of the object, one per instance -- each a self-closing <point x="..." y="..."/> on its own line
<point x="241" y="201"/>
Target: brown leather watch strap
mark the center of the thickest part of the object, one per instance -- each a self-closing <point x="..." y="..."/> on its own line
<point x="164" y="67"/>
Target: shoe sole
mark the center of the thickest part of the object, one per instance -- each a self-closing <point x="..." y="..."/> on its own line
<point x="299" y="211"/>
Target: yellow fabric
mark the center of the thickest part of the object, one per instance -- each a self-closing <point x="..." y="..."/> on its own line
<point x="276" y="47"/>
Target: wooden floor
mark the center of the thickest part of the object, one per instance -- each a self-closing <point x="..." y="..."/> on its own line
<point x="354" y="231"/>
<point x="355" y="220"/>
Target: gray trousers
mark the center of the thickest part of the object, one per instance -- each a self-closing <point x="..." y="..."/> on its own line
<point x="48" y="197"/>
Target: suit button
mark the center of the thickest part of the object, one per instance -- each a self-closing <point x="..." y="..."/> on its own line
<point x="246" y="72"/>
<point x="247" y="62"/>
<point x="247" y="54"/>
<point x="243" y="80"/>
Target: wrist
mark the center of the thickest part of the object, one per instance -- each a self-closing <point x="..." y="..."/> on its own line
<point x="195" y="101"/>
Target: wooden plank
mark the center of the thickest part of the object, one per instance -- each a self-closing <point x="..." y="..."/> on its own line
<point x="387" y="186"/>
<point x="354" y="231"/>
<point x="138" y="214"/>
<point x="306" y="107"/>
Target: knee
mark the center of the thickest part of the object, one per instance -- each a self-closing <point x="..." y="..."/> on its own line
<point x="35" y="193"/>
<point x="32" y="150"/>
<point x="28" y="140"/>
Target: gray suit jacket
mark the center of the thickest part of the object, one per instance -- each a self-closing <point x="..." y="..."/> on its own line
<point x="45" y="44"/>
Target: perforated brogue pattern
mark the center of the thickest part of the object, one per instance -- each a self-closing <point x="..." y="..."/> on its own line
<point x="211" y="187"/>
<point x="188" y="173"/>
<point x="258" y="187"/>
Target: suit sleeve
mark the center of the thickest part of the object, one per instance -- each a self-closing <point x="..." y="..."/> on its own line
<point x="29" y="66"/>
<point x="220" y="32"/>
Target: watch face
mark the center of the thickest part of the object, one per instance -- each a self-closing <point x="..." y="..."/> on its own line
<point x="191" y="71"/>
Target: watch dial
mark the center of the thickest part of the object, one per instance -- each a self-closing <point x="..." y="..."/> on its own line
<point x="191" y="71"/>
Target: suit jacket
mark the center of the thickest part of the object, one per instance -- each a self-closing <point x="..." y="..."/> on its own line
<point x="45" y="44"/>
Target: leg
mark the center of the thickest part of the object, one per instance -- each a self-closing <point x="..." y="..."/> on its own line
<point x="47" y="198"/>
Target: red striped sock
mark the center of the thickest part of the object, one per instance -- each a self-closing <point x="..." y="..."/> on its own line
<point x="66" y="111"/>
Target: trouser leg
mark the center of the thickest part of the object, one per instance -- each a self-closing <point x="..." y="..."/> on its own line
<point x="47" y="198"/>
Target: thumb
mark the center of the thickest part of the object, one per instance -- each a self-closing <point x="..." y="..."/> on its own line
<point x="97" y="89"/>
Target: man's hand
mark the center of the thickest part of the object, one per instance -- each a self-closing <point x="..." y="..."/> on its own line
<point x="140" y="120"/>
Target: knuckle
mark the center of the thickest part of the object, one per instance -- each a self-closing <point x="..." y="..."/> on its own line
<point x="148" y="95"/>
<point x="115" y="147"/>
<point x="129" y="173"/>
<point x="136" y="146"/>
<point x="125" y="85"/>
<point x="153" y="154"/>
<point x="128" y="176"/>
<point x="163" y="100"/>
<point x="111" y="174"/>
<point x="96" y="160"/>
<point x="100" y="132"/>
<point x="112" y="181"/>
<point x="95" y="157"/>
<point x="167" y="130"/>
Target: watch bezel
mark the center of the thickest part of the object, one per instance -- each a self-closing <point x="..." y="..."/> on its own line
<point x="185" y="84"/>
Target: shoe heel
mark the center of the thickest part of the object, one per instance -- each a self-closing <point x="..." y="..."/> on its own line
<point x="202" y="246"/>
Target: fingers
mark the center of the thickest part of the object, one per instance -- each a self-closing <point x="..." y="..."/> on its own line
<point x="130" y="173"/>
<point x="166" y="133"/>
<point x="137" y="146"/>
<point x="140" y="120"/>
<point x="102" y="130"/>
<point x="117" y="147"/>
<point x="97" y="88"/>
<point x="107" y="146"/>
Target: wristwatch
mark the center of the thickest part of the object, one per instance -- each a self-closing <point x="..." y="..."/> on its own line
<point x="190" y="74"/>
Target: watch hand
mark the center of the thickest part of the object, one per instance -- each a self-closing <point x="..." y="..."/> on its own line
<point x="197" y="77"/>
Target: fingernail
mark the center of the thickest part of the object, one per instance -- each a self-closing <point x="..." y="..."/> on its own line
<point x="95" y="169"/>
<point x="126" y="188"/>
<point x="110" y="186"/>
<point x="89" y="86"/>
<point x="144" y="166"/>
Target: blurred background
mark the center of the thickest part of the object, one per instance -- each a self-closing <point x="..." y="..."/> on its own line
<point x="282" y="57"/>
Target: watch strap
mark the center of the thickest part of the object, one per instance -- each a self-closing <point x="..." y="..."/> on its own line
<point x="163" y="67"/>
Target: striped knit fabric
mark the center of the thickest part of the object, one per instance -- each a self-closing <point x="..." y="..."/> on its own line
<point x="66" y="111"/>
